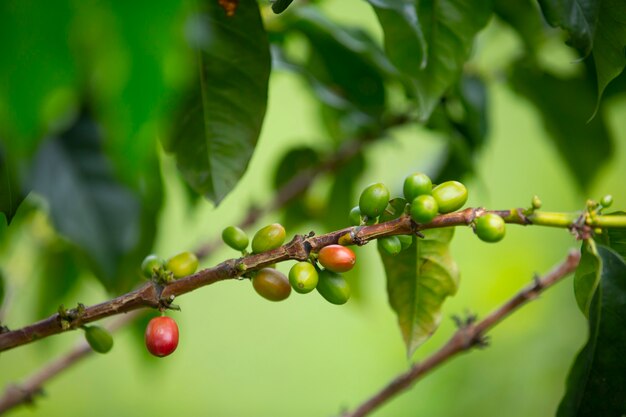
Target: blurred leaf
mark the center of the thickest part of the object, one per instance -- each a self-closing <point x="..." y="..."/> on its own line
<point x="594" y="26"/>
<point x="342" y="196"/>
<point x="87" y="203"/>
<point x="418" y="281"/>
<point x="349" y="64"/>
<point x="587" y="276"/>
<point x="59" y="276"/>
<point x="449" y="27"/>
<point x="216" y="133"/>
<point x="404" y="41"/>
<point x="2" y="287"/>
<point x="525" y="17"/>
<point x="596" y="385"/>
<point x="565" y="106"/>
<point x="11" y="194"/>
<point x="294" y="162"/>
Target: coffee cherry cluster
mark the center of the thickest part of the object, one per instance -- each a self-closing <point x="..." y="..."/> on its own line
<point x="303" y="277"/>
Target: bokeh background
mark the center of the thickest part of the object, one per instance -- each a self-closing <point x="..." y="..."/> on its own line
<point x="240" y="355"/>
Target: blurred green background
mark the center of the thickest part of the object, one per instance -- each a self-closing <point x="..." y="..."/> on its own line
<point x="240" y="355"/>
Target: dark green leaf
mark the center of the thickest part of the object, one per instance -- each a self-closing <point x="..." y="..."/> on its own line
<point x="216" y="133"/>
<point x="11" y="194"/>
<point x="594" y="26"/>
<point x="86" y="202"/>
<point x="596" y="385"/>
<point x="565" y="106"/>
<point x="587" y="276"/>
<point x="449" y="27"/>
<point x="524" y="16"/>
<point x="348" y="62"/>
<point x="578" y="17"/>
<point x="418" y="281"/>
<point x="404" y="41"/>
<point x="295" y="162"/>
<point x="59" y="276"/>
<point x="279" y="6"/>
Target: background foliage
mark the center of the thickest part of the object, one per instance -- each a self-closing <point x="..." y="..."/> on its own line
<point x="100" y="103"/>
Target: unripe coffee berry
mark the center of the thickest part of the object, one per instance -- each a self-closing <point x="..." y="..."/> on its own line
<point x="424" y="208"/>
<point x="150" y="264"/>
<point x="490" y="227"/>
<point x="405" y="241"/>
<point x="98" y="338"/>
<point x="161" y="336"/>
<point x="336" y="258"/>
<point x="390" y="244"/>
<point x="271" y="284"/>
<point x="268" y="238"/>
<point x="355" y="216"/>
<point x="183" y="264"/>
<point x="303" y="277"/>
<point x="450" y="196"/>
<point x="417" y="184"/>
<point x="333" y="287"/>
<point x="374" y="200"/>
<point x="235" y="238"/>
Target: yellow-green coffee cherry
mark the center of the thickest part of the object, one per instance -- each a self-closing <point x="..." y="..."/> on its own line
<point x="183" y="264"/>
<point x="490" y="227"/>
<point x="98" y="338"/>
<point x="424" y="208"/>
<point x="607" y="201"/>
<point x="268" y="238"/>
<point x="271" y="284"/>
<point x="390" y="244"/>
<point x="333" y="287"/>
<point x="151" y="264"/>
<point x="235" y="238"/>
<point x="303" y="277"/>
<point x="417" y="184"/>
<point x="374" y="200"/>
<point x="450" y="196"/>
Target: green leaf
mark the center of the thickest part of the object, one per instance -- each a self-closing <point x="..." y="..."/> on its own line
<point x="565" y="105"/>
<point x="523" y="16"/>
<point x="215" y="134"/>
<point x="87" y="204"/>
<point x="596" y="385"/>
<point x="342" y="196"/>
<point x="2" y="288"/>
<point x="404" y="40"/>
<point x="449" y="28"/>
<point x="59" y="277"/>
<point x="418" y="281"/>
<point x="11" y="194"/>
<point x="587" y="276"/>
<point x="594" y="26"/>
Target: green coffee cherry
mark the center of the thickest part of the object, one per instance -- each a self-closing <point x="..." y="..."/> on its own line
<point x="405" y="241"/>
<point x="536" y="202"/>
<point x="235" y="238"/>
<point x="417" y="184"/>
<point x="355" y="216"/>
<point x="271" y="284"/>
<point x="607" y="201"/>
<point x="490" y="227"/>
<point x="150" y="264"/>
<point x="450" y="196"/>
<point x="374" y="200"/>
<point x="424" y="208"/>
<point x="390" y="244"/>
<point x="303" y="277"/>
<point x="98" y="338"/>
<point x="333" y="287"/>
<point x="268" y="238"/>
<point x="183" y="264"/>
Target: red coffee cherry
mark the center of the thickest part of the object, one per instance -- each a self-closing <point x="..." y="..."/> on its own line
<point x="337" y="258"/>
<point x="161" y="336"/>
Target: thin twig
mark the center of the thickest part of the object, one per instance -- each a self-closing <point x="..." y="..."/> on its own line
<point x="26" y="391"/>
<point x="466" y="337"/>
